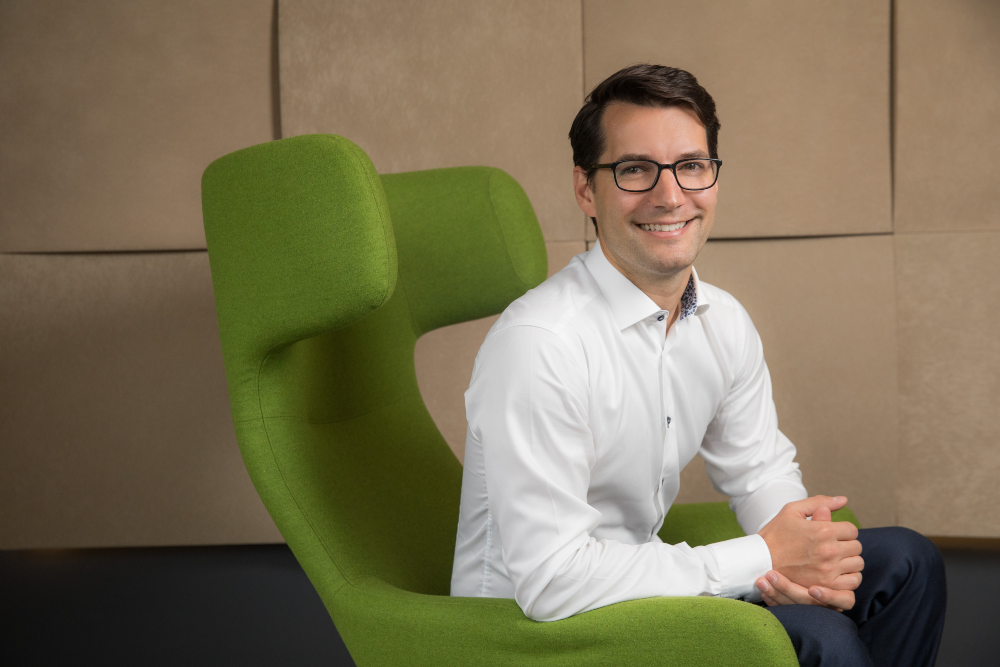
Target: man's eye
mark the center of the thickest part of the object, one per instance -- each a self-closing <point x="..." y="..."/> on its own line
<point x="693" y="166"/>
<point x="633" y="169"/>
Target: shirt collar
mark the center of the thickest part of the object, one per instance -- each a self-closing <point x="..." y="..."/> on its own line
<point x="628" y="303"/>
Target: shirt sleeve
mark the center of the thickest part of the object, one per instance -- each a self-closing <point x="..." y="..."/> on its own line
<point x="745" y="454"/>
<point x="528" y="405"/>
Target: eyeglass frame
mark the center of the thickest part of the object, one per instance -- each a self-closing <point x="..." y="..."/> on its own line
<point x="660" y="167"/>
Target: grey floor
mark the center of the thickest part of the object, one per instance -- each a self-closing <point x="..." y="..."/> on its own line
<point x="252" y="605"/>
<point x="245" y="605"/>
<point x="972" y="623"/>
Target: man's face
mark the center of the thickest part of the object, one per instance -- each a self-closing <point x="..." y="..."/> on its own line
<point x="639" y="251"/>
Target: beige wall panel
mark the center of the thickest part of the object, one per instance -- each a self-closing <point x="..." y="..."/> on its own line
<point x="110" y="111"/>
<point x="798" y="83"/>
<point x="825" y="310"/>
<point x="114" y="417"/>
<point x="947" y="112"/>
<point x="696" y="487"/>
<point x="422" y="85"/>
<point x="444" y="359"/>
<point x="949" y="361"/>
<point x="561" y="253"/>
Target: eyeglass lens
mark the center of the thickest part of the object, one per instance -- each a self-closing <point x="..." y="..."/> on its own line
<point x="639" y="175"/>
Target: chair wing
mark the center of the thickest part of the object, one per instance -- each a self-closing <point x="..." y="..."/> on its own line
<point x="300" y="242"/>
<point x="469" y="242"/>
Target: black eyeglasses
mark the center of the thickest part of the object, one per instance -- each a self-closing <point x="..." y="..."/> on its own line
<point x="643" y="175"/>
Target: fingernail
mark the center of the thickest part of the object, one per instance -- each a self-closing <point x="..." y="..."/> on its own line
<point x="762" y="585"/>
<point x="816" y="593"/>
<point x="772" y="577"/>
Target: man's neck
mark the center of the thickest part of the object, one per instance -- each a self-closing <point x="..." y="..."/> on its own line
<point x="665" y="290"/>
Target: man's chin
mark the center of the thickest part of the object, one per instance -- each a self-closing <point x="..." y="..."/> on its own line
<point x="665" y="267"/>
<point x="669" y="263"/>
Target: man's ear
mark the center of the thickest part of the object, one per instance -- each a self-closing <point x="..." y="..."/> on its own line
<point x="584" y="192"/>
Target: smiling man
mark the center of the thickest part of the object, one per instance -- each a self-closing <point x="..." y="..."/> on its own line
<point x="593" y="391"/>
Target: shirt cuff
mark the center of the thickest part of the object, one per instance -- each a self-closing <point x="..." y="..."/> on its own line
<point x="741" y="562"/>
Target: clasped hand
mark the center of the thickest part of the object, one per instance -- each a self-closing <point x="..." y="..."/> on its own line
<point x="814" y="562"/>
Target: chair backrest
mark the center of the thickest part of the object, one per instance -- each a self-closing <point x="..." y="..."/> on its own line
<point x="325" y="275"/>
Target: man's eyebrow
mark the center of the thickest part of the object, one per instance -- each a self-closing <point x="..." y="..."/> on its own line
<point x="644" y="156"/>
<point x="635" y="156"/>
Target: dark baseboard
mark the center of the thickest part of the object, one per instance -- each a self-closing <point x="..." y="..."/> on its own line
<point x="967" y="543"/>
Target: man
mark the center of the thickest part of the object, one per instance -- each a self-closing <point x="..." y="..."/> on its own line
<point x="593" y="391"/>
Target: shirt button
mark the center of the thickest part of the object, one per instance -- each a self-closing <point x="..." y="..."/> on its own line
<point x="660" y="318"/>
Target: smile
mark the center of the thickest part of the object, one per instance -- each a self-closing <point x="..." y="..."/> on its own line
<point x="664" y="228"/>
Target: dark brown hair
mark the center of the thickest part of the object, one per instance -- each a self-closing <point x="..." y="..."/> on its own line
<point x="643" y="85"/>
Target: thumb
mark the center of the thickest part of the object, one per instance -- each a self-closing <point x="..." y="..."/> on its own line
<point x="822" y="513"/>
<point x="810" y="506"/>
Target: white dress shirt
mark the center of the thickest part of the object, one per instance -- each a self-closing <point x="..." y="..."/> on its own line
<point x="582" y="412"/>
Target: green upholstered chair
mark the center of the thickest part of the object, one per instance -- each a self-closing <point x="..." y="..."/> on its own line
<point x="325" y="275"/>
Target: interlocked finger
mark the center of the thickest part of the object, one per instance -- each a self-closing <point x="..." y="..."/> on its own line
<point x="847" y="582"/>
<point x="852" y="564"/>
<point x="844" y="530"/>
<point x="776" y="590"/>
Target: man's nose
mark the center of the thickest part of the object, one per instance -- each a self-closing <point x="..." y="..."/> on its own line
<point x="667" y="192"/>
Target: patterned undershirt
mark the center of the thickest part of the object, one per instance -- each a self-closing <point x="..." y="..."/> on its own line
<point x="689" y="300"/>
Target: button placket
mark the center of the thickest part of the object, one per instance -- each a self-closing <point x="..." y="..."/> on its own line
<point x="658" y="502"/>
<point x="670" y="454"/>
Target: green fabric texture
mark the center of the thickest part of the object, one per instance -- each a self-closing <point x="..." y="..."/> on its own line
<point x="272" y="213"/>
<point x="325" y="275"/>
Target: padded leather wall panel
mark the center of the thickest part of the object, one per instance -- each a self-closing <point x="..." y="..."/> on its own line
<point x="114" y="417"/>
<point x="803" y="95"/>
<point x="421" y="85"/>
<point x="947" y="110"/>
<point x="949" y="360"/>
<point x="110" y="110"/>
<point x="444" y="359"/>
<point x="695" y="485"/>
<point x="825" y="310"/>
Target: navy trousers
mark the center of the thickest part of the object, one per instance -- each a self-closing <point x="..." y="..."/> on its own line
<point x="898" y="613"/>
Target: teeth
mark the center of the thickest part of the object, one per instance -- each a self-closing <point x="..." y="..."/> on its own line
<point x="663" y="228"/>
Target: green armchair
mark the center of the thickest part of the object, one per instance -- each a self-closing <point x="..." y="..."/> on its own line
<point x="325" y="275"/>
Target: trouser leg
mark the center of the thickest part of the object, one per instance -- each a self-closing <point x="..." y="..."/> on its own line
<point x="898" y="615"/>
<point x="900" y="605"/>
<point x="822" y="637"/>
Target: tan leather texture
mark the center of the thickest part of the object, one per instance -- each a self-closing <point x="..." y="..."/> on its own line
<point x="114" y="418"/>
<point x="825" y="311"/>
<point x="802" y="91"/>
<point x="949" y="380"/>
<point x="947" y="109"/>
<point x="110" y="111"/>
<point x="450" y="83"/>
<point x="114" y="414"/>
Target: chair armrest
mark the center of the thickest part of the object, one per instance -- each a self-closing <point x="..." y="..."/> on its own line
<point x="383" y="625"/>
<point x="845" y="514"/>
<point x="705" y="523"/>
